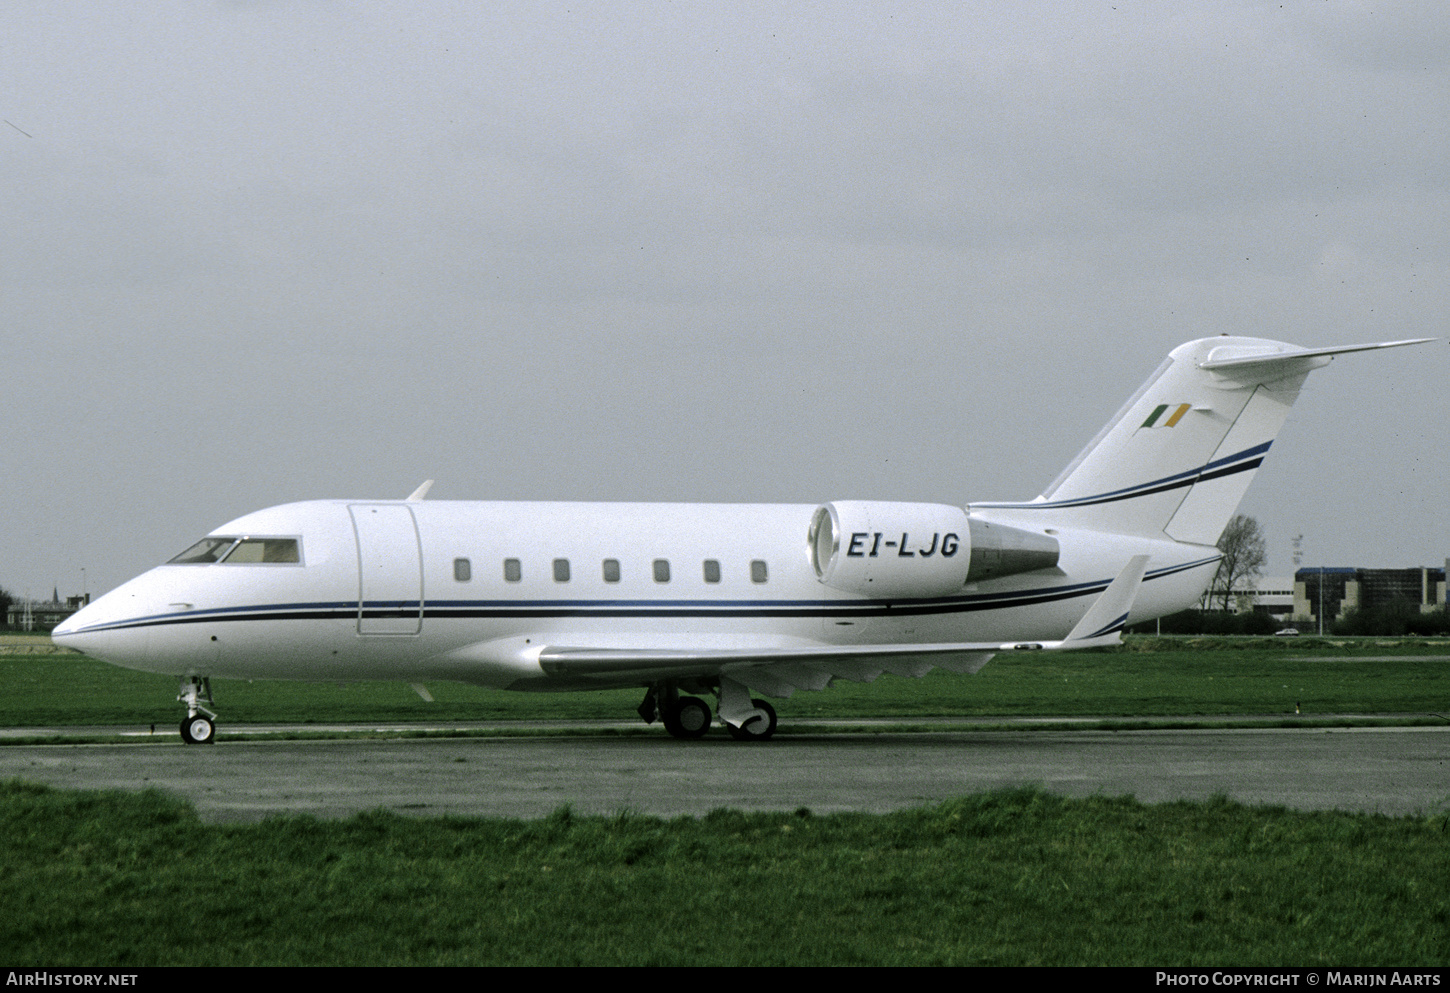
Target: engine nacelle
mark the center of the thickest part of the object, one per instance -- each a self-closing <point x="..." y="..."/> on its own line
<point x="999" y="550"/>
<point x="882" y="549"/>
<point x="890" y="550"/>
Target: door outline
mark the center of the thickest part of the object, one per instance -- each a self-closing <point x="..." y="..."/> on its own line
<point x="390" y="569"/>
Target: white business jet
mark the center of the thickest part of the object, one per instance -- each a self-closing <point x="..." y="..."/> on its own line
<point x="725" y="600"/>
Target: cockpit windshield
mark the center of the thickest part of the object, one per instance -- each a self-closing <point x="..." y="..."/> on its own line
<point x="204" y="551"/>
<point x="264" y="550"/>
<point x="241" y="551"/>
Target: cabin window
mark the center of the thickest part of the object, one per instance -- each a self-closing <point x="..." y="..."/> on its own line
<point x="611" y="570"/>
<point x="757" y="571"/>
<point x="512" y="570"/>
<point x="561" y="570"/>
<point x="712" y="570"/>
<point x="462" y="570"/>
<point x="662" y="570"/>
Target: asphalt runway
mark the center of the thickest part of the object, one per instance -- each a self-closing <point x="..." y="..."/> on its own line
<point x="1387" y="770"/>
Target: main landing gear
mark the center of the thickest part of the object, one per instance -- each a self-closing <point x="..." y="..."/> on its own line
<point x="199" y="728"/>
<point x="757" y="728"/>
<point x="687" y="717"/>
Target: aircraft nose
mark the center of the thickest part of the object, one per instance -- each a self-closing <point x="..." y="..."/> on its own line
<point x="67" y="632"/>
<point x="70" y="625"/>
<point x="90" y="630"/>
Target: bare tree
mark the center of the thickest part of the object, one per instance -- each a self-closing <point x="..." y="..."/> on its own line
<point x="1244" y="555"/>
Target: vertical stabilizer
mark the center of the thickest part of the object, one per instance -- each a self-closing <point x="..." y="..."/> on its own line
<point x="1178" y="457"/>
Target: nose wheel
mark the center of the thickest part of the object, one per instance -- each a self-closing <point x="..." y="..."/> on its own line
<point x="199" y="728"/>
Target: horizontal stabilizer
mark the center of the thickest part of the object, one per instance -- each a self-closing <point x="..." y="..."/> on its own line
<point x="1238" y="356"/>
<point x="1178" y="457"/>
<point x="1269" y="361"/>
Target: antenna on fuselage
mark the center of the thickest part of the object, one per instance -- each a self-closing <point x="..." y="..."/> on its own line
<point x="420" y="492"/>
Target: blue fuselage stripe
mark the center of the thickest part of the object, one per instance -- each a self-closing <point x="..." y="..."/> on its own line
<point x="343" y="610"/>
<point x="1249" y="458"/>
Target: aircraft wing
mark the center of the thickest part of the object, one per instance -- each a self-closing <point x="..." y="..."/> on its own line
<point x="781" y="671"/>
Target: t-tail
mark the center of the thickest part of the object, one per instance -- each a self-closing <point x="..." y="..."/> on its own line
<point x="1180" y="454"/>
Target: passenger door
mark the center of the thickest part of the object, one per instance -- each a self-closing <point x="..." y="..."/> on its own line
<point x="390" y="569"/>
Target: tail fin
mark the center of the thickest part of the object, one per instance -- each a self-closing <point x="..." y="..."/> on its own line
<point x="1180" y="454"/>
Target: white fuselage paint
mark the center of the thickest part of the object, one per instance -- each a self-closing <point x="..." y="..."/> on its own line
<point x="303" y="621"/>
<point x="1130" y="524"/>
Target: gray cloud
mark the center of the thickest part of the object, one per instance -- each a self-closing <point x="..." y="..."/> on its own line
<point x="262" y="252"/>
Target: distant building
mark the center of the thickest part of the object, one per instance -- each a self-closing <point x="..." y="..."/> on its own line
<point x="1340" y="590"/>
<point x="42" y="615"/>
<point x="1337" y="591"/>
<point x="1272" y="595"/>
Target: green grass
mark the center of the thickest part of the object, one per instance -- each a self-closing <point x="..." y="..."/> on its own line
<point x="1147" y="678"/>
<point x="1008" y="878"/>
<point x="1004" y="878"/>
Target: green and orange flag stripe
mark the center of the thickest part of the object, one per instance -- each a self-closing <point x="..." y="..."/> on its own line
<point x="1173" y="418"/>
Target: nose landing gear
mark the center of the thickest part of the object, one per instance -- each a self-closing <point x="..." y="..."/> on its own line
<point x="199" y="728"/>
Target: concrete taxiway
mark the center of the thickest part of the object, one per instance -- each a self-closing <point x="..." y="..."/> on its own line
<point x="1400" y="770"/>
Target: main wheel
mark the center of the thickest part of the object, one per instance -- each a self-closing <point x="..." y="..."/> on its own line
<point x="755" y="729"/>
<point x="689" y="717"/>
<point x="198" y="730"/>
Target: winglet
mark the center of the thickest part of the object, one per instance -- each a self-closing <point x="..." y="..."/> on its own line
<point x="420" y="492"/>
<point x="1109" y="613"/>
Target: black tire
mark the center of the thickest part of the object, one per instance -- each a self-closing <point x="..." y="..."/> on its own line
<point x="688" y="717"/>
<point x="198" y="730"/>
<point x="755" y="729"/>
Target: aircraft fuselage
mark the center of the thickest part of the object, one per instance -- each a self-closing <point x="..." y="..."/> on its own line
<point x="727" y="599"/>
<point x="470" y="591"/>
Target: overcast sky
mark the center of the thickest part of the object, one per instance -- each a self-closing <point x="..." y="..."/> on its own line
<point x="263" y="252"/>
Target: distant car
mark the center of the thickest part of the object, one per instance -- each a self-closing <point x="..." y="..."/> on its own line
<point x="1287" y="633"/>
